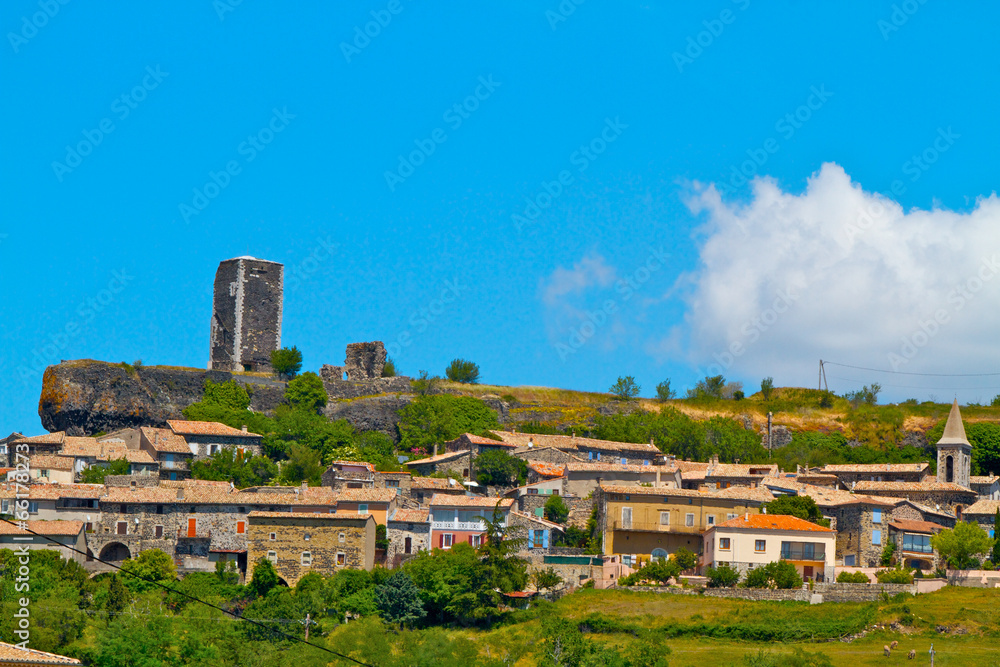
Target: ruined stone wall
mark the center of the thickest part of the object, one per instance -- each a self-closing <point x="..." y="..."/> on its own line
<point x="364" y="361"/>
<point x="346" y="389"/>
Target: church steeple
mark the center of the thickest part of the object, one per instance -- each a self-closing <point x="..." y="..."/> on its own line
<point x="954" y="453"/>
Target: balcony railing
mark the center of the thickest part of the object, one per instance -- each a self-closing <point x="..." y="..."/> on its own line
<point x="656" y="527"/>
<point x="458" y="525"/>
<point x="803" y="554"/>
<point x="918" y="549"/>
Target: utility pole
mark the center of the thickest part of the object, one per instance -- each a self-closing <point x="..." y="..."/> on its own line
<point x="307" y="623"/>
<point x="769" y="414"/>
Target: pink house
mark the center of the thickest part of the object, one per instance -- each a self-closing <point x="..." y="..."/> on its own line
<point x="456" y="519"/>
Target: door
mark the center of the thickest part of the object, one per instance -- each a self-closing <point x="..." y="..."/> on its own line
<point x="807" y="571"/>
<point x="407" y="545"/>
<point x="192" y="527"/>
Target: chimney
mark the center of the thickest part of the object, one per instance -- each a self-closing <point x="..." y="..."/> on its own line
<point x="180" y="493"/>
<point x="573" y="437"/>
<point x="657" y="476"/>
<point x="305" y="484"/>
<point x="652" y="444"/>
<point x="244" y="428"/>
<point x="746" y="517"/>
<point x="763" y="509"/>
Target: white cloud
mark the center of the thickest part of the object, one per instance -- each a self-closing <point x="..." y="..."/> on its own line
<point x="844" y="275"/>
<point x="589" y="272"/>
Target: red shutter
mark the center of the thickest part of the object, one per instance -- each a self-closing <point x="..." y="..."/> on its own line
<point x="470" y="539"/>
<point x="441" y="540"/>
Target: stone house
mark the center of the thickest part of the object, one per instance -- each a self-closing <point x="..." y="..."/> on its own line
<point x="862" y="525"/>
<point x="55" y="502"/>
<point x="639" y="522"/>
<point x="458" y="462"/>
<point x="726" y="475"/>
<point x="400" y="482"/>
<point x="422" y="489"/>
<point x="207" y="438"/>
<point x="692" y="473"/>
<point x="477" y="444"/>
<point x="943" y="494"/>
<point x="90" y="452"/>
<point x="913" y="543"/>
<point x="545" y="454"/>
<point x="984" y="513"/>
<point x="583" y="477"/>
<point x="456" y="519"/>
<point x="349" y="475"/>
<point x="50" y="469"/>
<point x="169" y="450"/>
<point x="380" y="503"/>
<point x="590" y="449"/>
<point x="987" y="487"/>
<point x="912" y="511"/>
<point x="302" y="542"/>
<point x="752" y="540"/>
<point x="848" y="474"/>
<point x="46" y="444"/>
<point x="6" y="449"/>
<point x="409" y="531"/>
<point x="539" y="534"/>
<point x="60" y="536"/>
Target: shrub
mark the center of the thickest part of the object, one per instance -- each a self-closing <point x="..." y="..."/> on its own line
<point x="894" y="576"/>
<point x="853" y="578"/>
<point x="556" y="509"/>
<point x="685" y="559"/>
<point x="306" y="393"/>
<point x="462" y="370"/>
<point x="738" y="395"/>
<point x="722" y="577"/>
<point x="767" y="388"/>
<point x="888" y="551"/>
<point x="389" y="369"/>
<point x="757" y="578"/>
<point x="664" y="392"/>
<point x="286" y="362"/>
<point x="780" y="574"/>
<point x="625" y="388"/>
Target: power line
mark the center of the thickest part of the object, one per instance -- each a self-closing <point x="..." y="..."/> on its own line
<point x="947" y="375"/>
<point x="906" y="386"/>
<point x="190" y="597"/>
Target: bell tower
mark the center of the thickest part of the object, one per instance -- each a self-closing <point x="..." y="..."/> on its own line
<point x="954" y="453"/>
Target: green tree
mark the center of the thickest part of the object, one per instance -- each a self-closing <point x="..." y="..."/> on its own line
<point x="286" y="362"/>
<point x="389" y="369"/>
<point x="398" y="600"/>
<point x="960" y="546"/>
<point x="722" y="576"/>
<point x="228" y="394"/>
<point x="462" y="370"/>
<point x="95" y="474"/>
<point x="556" y="509"/>
<point x="546" y="579"/>
<point x="803" y="507"/>
<point x="303" y="465"/>
<point x="150" y="567"/>
<point x="264" y="578"/>
<point x="685" y="559"/>
<point x="118" y="598"/>
<point x="995" y="556"/>
<point x="227" y="572"/>
<point x="230" y="465"/>
<point x="306" y="393"/>
<point x="437" y="418"/>
<point x="767" y="388"/>
<point x="498" y="468"/>
<point x="625" y="388"/>
<point x="888" y="551"/>
<point x="780" y="574"/>
<point x="664" y="392"/>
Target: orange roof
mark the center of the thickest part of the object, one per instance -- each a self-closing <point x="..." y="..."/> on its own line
<point x="445" y="500"/>
<point x="595" y="466"/>
<point x="732" y="493"/>
<point x="941" y="487"/>
<point x="572" y="442"/>
<point x="12" y="655"/>
<point x="547" y="469"/>
<point x="55" y="491"/>
<point x="51" y="462"/>
<point x="876" y="467"/>
<point x="773" y="522"/>
<point x="434" y="483"/>
<point x="911" y="526"/>
<point x="44" y="528"/>
<point x="480" y="440"/>
<point x="411" y="516"/>
<point x="440" y="457"/>
<point x="182" y="427"/>
<point x="165" y="440"/>
<point x="44" y="439"/>
<point x="367" y="495"/>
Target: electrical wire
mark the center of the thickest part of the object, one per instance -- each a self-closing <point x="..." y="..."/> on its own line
<point x="190" y="597"/>
<point x="947" y="375"/>
<point x="907" y="386"/>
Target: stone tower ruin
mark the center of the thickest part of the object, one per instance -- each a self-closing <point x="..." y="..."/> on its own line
<point x="246" y="314"/>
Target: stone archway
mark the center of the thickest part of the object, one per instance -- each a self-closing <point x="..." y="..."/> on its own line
<point x="115" y="551"/>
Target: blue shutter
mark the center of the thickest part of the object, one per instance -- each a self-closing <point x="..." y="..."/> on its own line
<point x="545" y="539"/>
<point x="876" y="537"/>
<point x="590" y="455"/>
<point x="877" y="516"/>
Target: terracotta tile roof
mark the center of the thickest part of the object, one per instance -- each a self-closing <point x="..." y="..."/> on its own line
<point x="212" y="494"/>
<point x="104" y="451"/>
<point x="447" y="456"/>
<point x="983" y="479"/>
<point x="936" y="487"/>
<point x="586" y="466"/>
<point x="367" y="495"/>
<point x="546" y="469"/>
<point x="875" y="468"/>
<point x="983" y="507"/>
<point x="537" y="519"/>
<point x="54" y="491"/>
<point x="44" y="439"/>
<point x="480" y="440"/>
<point x="165" y="440"/>
<point x="77" y="446"/>
<point x="693" y="475"/>
<point x="184" y="483"/>
<point x="911" y="526"/>
<point x="740" y="470"/>
<point x="732" y="493"/>
<point x="445" y="500"/>
<point x="182" y="427"/>
<point x="411" y="516"/>
<point x="774" y="522"/>
<point x="334" y="518"/>
<point x="434" y="483"/>
<point x="41" y="462"/>
<point x="360" y="464"/>
<point x="569" y="442"/>
<point x="10" y="654"/>
<point x="824" y="496"/>
<point x="71" y="528"/>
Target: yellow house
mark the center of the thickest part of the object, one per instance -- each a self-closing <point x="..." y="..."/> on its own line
<point x="12" y="656"/>
<point x="641" y="522"/>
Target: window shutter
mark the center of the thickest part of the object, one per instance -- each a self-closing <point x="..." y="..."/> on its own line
<point x="545" y="539"/>
<point x="470" y="540"/>
<point x="441" y="540"/>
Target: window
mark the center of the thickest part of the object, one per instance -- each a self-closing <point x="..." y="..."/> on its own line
<point x="760" y="546"/>
<point x="532" y="492"/>
<point x="624" y="461"/>
<point x="536" y="539"/>
<point x="307" y="537"/>
<point x="341" y="558"/>
<point x="476" y="540"/>
<point x="849" y="561"/>
<point x="598" y="456"/>
<point x="159" y="509"/>
<point x="241" y="510"/>
<point x="123" y="528"/>
<point x="626" y="517"/>
<point x="664" y="518"/>
<point x="446" y="540"/>
<point x="342" y="538"/>
<point x="689" y="520"/>
<point x="876" y="516"/>
<point x="32" y="507"/>
<point x="659" y="554"/>
<point x="241" y="527"/>
<point x="876" y="537"/>
<point x="646" y="462"/>
<point x="306" y="558"/>
<point x="43" y="473"/>
<point x="273" y="556"/>
<point x="273" y="536"/>
<point x="90" y="527"/>
<point x="590" y="456"/>
<point x="724" y="543"/>
<point x="158" y="532"/>
<point x="363" y="508"/>
<point x="711" y="519"/>
<point x="918" y="543"/>
<point x="392" y="483"/>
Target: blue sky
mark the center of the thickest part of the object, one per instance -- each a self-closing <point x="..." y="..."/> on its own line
<point x="349" y="162"/>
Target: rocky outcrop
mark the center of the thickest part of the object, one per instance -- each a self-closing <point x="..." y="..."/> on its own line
<point x="374" y="413"/>
<point x="83" y="397"/>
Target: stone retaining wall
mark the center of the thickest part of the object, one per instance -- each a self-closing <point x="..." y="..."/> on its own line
<point x="829" y="592"/>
